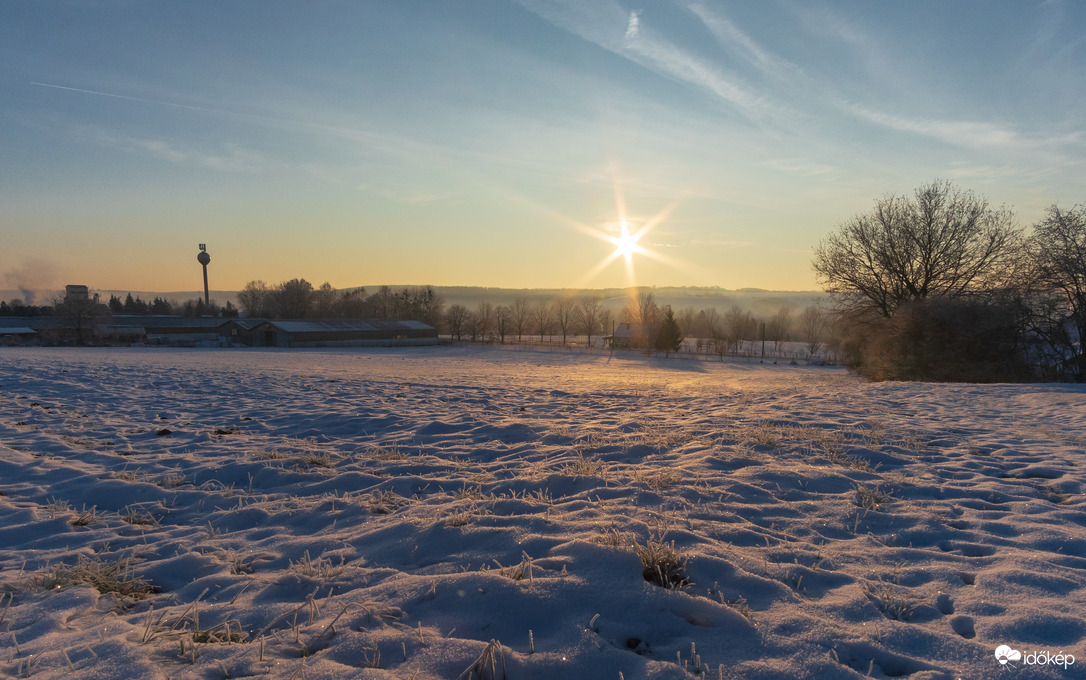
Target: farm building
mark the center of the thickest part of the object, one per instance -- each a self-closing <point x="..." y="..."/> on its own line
<point x="240" y="331"/>
<point x="31" y="330"/>
<point x="165" y="330"/>
<point x="327" y="333"/>
<point x="17" y="335"/>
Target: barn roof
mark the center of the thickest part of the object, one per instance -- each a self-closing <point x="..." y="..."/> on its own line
<point x="35" y="323"/>
<point x="154" y="322"/>
<point x="332" y="325"/>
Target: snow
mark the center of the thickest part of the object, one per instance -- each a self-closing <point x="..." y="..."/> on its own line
<point x="387" y="513"/>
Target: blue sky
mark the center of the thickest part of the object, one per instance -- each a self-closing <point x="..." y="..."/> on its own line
<point x="477" y="142"/>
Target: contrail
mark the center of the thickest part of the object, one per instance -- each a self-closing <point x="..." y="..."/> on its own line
<point x="121" y="96"/>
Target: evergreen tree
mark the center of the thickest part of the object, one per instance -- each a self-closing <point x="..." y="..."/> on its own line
<point x="669" y="337"/>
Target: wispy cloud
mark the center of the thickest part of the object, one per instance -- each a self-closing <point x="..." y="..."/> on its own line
<point x="633" y="27"/>
<point x="966" y="133"/>
<point x="595" y="22"/>
<point x="111" y="95"/>
<point x="737" y="41"/>
<point x="231" y="158"/>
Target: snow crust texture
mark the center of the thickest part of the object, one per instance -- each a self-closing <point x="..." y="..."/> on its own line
<point x="477" y="512"/>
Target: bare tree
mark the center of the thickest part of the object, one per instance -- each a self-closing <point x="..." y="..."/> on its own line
<point x="589" y="315"/>
<point x="324" y="301"/>
<point x="472" y="326"/>
<point x="687" y="319"/>
<point x="520" y="315"/>
<point x="778" y="327"/>
<point x="351" y="304"/>
<point x="942" y="242"/>
<point x="542" y="318"/>
<point x="709" y="320"/>
<point x="81" y="314"/>
<point x="254" y="299"/>
<point x="812" y="326"/>
<point x="737" y="327"/>
<point x="457" y="320"/>
<point x="383" y="303"/>
<point x="503" y="322"/>
<point x="484" y="320"/>
<point x="648" y="313"/>
<point x="565" y="315"/>
<point x="1058" y="250"/>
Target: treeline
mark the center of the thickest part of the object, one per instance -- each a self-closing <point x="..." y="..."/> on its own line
<point x="298" y="299"/>
<point x="130" y="305"/>
<point x="190" y="308"/>
<point x="20" y="308"/>
<point x="641" y="324"/>
<point x="942" y="286"/>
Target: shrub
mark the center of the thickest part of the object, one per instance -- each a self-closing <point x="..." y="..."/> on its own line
<point x="945" y="340"/>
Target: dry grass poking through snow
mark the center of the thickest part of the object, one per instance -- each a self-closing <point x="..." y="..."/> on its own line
<point x="105" y="576"/>
<point x="396" y="513"/>
<point x="663" y="564"/>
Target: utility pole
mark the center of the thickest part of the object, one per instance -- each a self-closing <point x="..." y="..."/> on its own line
<point x="763" y="343"/>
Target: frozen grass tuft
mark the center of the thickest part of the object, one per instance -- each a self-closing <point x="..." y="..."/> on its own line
<point x="870" y="498"/>
<point x="582" y="467"/>
<point x="137" y="517"/>
<point x="320" y="569"/>
<point x="384" y="502"/>
<point x="172" y="481"/>
<point x="84" y="517"/>
<point x="517" y="572"/>
<point x="55" y="506"/>
<point x="461" y="517"/>
<point x="103" y="576"/>
<point x="317" y="460"/>
<point x="663" y="564"/>
<point x="489" y="666"/>
<point x="663" y="479"/>
<point x="891" y="605"/>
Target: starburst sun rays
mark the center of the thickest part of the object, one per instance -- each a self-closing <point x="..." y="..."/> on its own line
<point x="627" y="235"/>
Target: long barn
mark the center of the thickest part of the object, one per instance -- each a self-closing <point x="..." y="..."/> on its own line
<point x="327" y="333"/>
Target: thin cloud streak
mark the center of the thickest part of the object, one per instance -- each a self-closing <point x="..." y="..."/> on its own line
<point x="235" y="158"/>
<point x="633" y="28"/>
<point x="737" y="41"/>
<point x="132" y="99"/>
<point x="654" y="53"/>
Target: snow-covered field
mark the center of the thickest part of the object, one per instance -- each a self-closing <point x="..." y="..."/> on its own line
<point x="388" y="513"/>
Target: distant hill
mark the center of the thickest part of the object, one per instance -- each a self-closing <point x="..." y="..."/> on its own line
<point x="760" y="302"/>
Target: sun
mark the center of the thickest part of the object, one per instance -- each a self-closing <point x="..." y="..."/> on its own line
<point x="626" y="243"/>
<point x="625" y="235"/>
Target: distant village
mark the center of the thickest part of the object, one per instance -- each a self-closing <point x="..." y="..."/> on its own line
<point x="294" y="313"/>
<point x="81" y="319"/>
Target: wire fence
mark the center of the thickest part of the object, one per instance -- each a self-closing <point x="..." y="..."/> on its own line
<point x="747" y="351"/>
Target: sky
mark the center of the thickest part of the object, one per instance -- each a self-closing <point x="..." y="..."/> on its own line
<point x="505" y="144"/>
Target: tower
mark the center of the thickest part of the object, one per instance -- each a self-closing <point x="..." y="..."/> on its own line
<point x="204" y="258"/>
